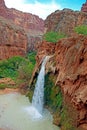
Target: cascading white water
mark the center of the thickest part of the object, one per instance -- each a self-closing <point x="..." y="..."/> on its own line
<point x="38" y="97"/>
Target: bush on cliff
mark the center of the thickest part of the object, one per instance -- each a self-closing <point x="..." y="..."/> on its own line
<point x="53" y="36"/>
<point x="81" y="29"/>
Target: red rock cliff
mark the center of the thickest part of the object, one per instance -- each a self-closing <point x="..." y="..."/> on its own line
<point x="31" y="24"/>
<point x="70" y="57"/>
<point x="13" y="40"/>
<point x="65" y="21"/>
<point x="26" y="20"/>
<point x="71" y="64"/>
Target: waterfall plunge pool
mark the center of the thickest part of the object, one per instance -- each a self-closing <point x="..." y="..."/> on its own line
<point x="17" y="113"/>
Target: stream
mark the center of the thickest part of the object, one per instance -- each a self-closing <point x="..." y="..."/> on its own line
<point x="17" y="113"/>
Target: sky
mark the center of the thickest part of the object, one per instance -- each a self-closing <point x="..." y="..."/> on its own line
<point x="43" y="8"/>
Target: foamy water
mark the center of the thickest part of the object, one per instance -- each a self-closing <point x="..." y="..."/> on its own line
<point x="17" y="113"/>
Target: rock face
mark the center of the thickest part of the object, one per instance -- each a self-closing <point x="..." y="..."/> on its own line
<point x="65" y="20"/>
<point x="13" y="40"/>
<point x="31" y="24"/>
<point x="71" y="63"/>
<point x="70" y="57"/>
<point x="25" y="20"/>
<point x="84" y="7"/>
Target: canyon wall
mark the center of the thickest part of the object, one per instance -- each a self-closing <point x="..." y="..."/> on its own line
<point x="25" y="20"/>
<point x="13" y="39"/>
<point x="27" y="24"/>
<point x="69" y="65"/>
<point x="65" y="21"/>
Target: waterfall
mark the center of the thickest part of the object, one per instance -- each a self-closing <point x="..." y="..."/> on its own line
<point x="38" y="97"/>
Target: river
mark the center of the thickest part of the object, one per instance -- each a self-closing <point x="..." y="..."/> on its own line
<point x="17" y="113"/>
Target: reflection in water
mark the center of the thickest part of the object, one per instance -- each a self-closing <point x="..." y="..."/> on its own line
<point x="16" y="113"/>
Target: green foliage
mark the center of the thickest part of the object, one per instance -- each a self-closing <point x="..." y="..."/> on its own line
<point x="8" y="68"/>
<point x="53" y="95"/>
<point x="31" y="56"/>
<point x="18" y="66"/>
<point x="54" y="100"/>
<point x="81" y="29"/>
<point x="25" y="70"/>
<point x="66" y="120"/>
<point x="53" y="36"/>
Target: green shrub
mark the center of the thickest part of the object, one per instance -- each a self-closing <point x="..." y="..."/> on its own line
<point x="9" y="67"/>
<point x="12" y="66"/>
<point x="31" y="57"/>
<point x="25" y="70"/>
<point x="53" y="36"/>
<point x="81" y="29"/>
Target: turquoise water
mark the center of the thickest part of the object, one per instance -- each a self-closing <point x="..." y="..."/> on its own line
<point x="17" y="113"/>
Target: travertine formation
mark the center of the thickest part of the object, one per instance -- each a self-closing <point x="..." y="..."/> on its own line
<point x="65" y="21"/>
<point x="71" y="64"/>
<point x="70" y="58"/>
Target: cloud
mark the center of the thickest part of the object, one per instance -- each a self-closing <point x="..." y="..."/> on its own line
<point x="37" y="8"/>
